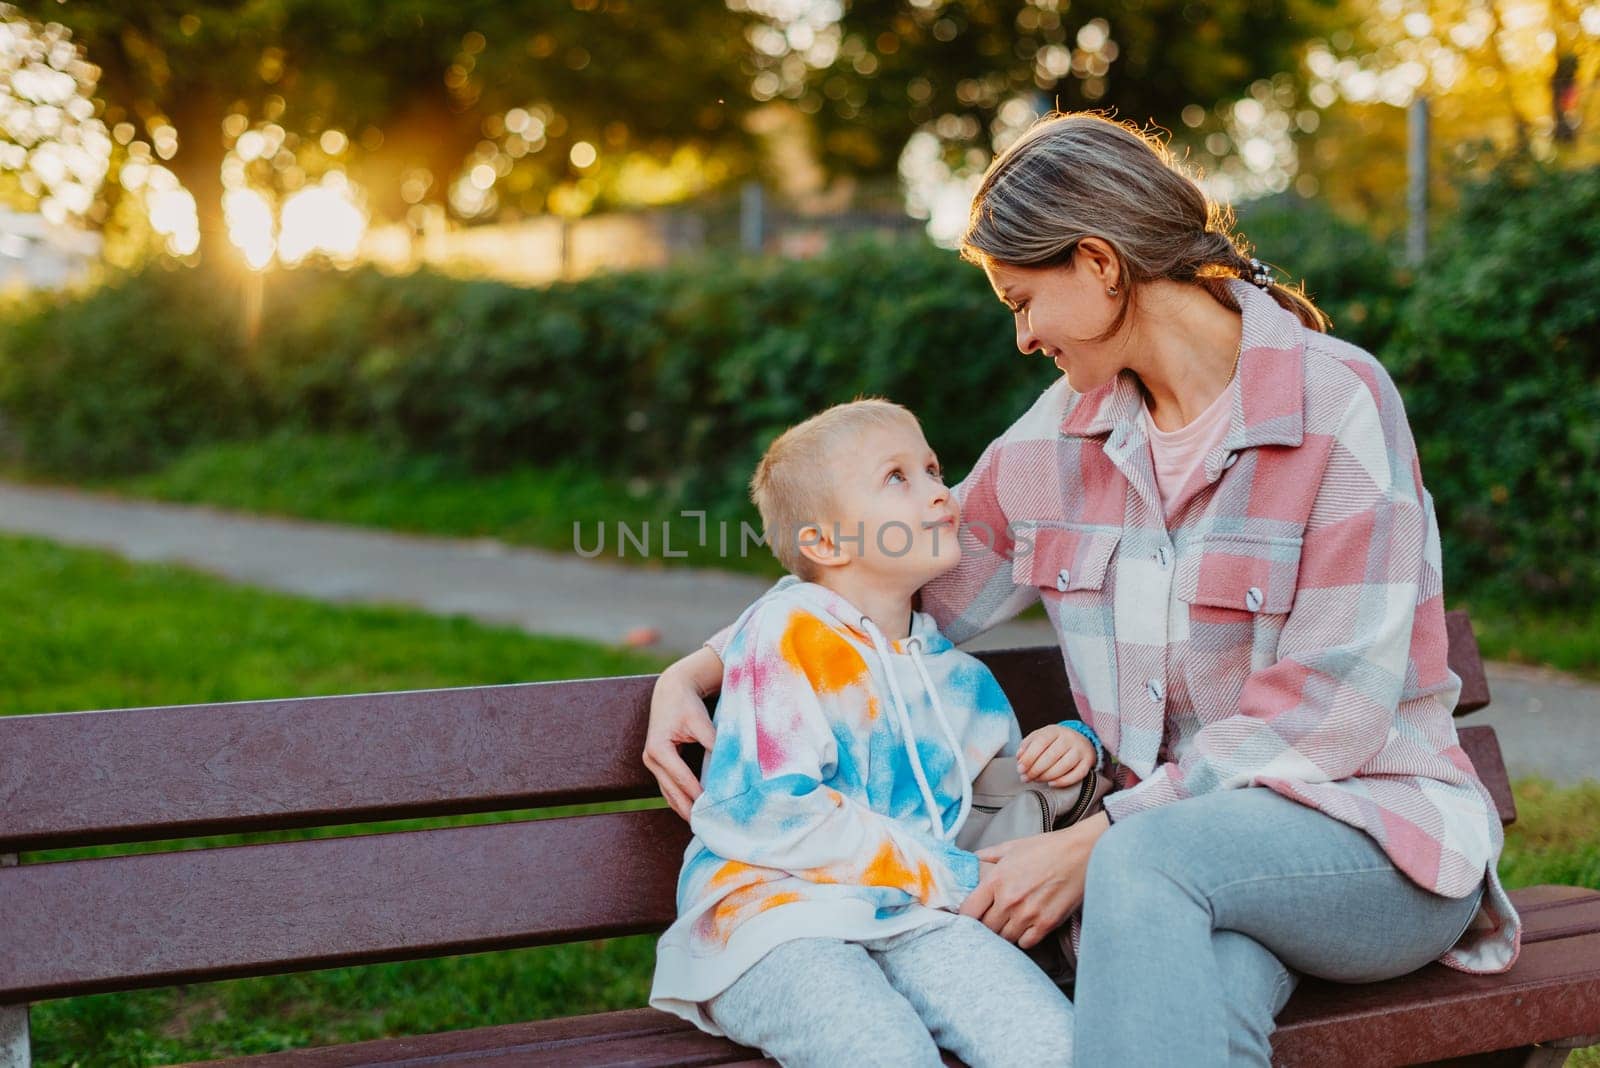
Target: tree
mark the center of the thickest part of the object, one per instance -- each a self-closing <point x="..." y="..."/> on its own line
<point x="54" y="147"/>
<point x="413" y="86"/>
<point x="1502" y="77"/>
<point x="889" y="68"/>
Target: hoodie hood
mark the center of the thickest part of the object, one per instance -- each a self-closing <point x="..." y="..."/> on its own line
<point x="836" y="609"/>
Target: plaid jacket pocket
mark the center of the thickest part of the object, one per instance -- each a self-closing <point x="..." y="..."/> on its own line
<point x="1063" y="558"/>
<point x="1244" y="572"/>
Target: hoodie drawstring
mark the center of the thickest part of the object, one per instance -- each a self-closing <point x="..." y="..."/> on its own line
<point x="908" y="737"/>
<point x="914" y="645"/>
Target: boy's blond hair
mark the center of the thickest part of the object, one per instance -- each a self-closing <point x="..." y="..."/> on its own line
<point x="793" y="484"/>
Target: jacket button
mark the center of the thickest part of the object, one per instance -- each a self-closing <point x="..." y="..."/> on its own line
<point x="1252" y="598"/>
<point x="1161" y="557"/>
<point x="1155" y="690"/>
<point x="1062" y="578"/>
<point x="1232" y="459"/>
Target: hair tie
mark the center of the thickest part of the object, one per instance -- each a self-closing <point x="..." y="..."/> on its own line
<point x="1260" y="274"/>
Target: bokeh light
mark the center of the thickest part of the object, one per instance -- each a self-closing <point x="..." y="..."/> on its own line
<point x="50" y="134"/>
<point x="322" y="218"/>
<point x="278" y="210"/>
<point x="251" y="226"/>
<point x="942" y="164"/>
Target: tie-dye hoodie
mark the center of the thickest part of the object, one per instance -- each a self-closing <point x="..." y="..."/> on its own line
<point x="842" y="771"/>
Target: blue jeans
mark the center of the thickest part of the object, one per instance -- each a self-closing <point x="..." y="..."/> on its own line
<point x="1195" y="913"/>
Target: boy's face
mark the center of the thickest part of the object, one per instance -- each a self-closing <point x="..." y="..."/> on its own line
<point x="888" y="489"/>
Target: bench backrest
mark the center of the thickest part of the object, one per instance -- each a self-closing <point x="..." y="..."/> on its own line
<point x="156" y="774"/>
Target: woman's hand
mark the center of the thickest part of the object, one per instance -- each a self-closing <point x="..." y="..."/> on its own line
<point x="677" y="717"/>
<point x="1031" y="885"/>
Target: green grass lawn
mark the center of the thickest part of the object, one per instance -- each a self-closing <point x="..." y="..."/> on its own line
<point x="85" y="630"/>
<point x="1568" y="642"/>
<point x="88" y="631"/>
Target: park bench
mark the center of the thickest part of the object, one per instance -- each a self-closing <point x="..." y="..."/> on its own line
<point x="155" y="919"/>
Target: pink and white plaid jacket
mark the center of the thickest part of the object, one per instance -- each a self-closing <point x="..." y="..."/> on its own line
<point x="1287" y="630"/>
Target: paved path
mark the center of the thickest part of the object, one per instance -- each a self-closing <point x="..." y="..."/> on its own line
<point x="1550" y="724"/>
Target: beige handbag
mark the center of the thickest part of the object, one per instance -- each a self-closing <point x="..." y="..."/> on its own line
<point x="1005" y="807"/>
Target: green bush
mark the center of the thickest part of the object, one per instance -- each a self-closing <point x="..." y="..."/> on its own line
<point x="678" y="377"/>
<point x="126" y="378"/>
<point x="1498" y="356"/>
<point x="1352" y="277"/>
<point x="682" y="376"/>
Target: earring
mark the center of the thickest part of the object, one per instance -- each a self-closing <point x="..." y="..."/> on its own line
<point x="1111" y="291"/>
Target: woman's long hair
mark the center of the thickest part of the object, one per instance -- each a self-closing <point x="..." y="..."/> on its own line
<point x="1077" y="175"/>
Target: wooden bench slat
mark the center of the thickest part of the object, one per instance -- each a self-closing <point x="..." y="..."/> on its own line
<point x="1437" y="1014"/>
<point x="1555" y="994"/>
<point x="1536" y="899"/>
<point x="146" y="774"/>
<point x="158" y="773"/>
<point x="1551" y="913"/>
<point x="1035" y="681"/>
<point x="1483" y="748"/>
<point x="82" y="927"/>
<point x="631" y="1036"/>
<point x="1466" y="662"/>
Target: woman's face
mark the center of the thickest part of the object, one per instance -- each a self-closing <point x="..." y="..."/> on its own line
<point x="1060" y="311"/>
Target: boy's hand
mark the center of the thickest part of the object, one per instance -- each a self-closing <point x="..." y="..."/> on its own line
<point x="1055" y="755"/>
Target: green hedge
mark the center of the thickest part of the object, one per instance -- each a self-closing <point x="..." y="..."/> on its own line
<point x="126" y="378"/>
<point x="1357" y="281"/>
<point x="1498" y="355"/>
<point x="680" y="377"/>
<point x="676" y="376"/>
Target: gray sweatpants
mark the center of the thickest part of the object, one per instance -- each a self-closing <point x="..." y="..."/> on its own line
<point x="896" y="1000"/>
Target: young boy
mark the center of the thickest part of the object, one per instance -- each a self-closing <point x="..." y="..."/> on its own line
<point x="817" y="903"/>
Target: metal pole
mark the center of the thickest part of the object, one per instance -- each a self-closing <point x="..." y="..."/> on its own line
<point x="16" y="1051"/>
<point x="752" y="217"/>
<point x="566" y="248"/>
<point x="1417" y="181"/>
<point x="14" y="1045"/>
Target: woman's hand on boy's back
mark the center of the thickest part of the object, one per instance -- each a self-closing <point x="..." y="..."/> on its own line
<point x="678" y="717"/>
<point x="1029" y="886"/>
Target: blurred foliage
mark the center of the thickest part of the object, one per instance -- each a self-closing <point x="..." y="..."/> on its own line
<point x="126" y="377"/>
<point x="1352" y="277"/>
<point x="674" y="381"/>
<point x="676" y="99"/>
<point x="417" y="84"/>
<point x="679" y="377"/>
<point x="903" y="65"/>
<point x="1503" y="79"/>
<point x="1498" y="356"/>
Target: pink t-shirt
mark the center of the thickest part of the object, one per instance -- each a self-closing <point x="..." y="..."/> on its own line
<point x="1178" y="454"/>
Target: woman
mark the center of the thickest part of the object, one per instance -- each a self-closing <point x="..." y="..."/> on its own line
<point x="1221" y="508"/>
